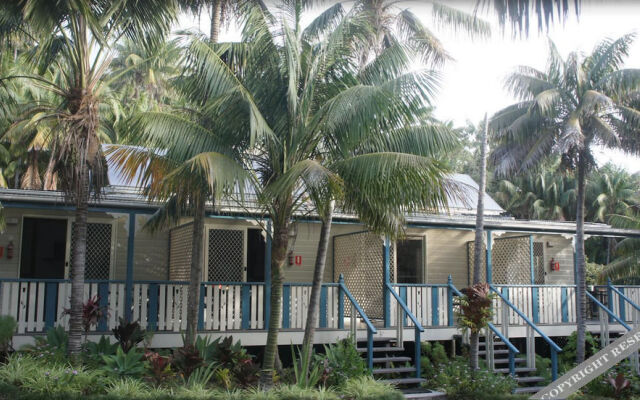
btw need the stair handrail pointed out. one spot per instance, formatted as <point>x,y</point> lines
<point>607,310</point>
<point>555,349</point>
<point>371,330</point>
<point>418,328</point>
<point>622,295</point>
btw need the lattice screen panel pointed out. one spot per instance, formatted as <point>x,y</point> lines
<point>226,255</point>
<point>538,262</point>
<point>359,257</point>
<point>511,262</point>
<point>180,252</point>
<point>98,261</point>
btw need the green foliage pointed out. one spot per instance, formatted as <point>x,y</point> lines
<point>128,334</point>
<point>124,364</point>
<point>458,381</point>
<point>343,362</point>
<point>158,367</point>
<point>304,362</point>
<point>567,357</point>
<point>186,359</point>
<point>299,393</point>
<point>52,346</point>
<point>8,326</point>
<point>367,388</point>
<point>202,376</point>
<point>231,356</point>
<point>433,356</point>
<point>475,310</point>
<point>103,347</point>
<point>543,367</point>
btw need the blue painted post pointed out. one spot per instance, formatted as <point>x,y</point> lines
<point>533,272</point>
<point>512,363</point>
<point>152,316</point>
<point>489,258</point>
<point>129,275</point>
<point>535,305</point>
<point>267,276</point>
<point>417,352</point>
<point>449,301</point>
<point>575,266</point>
<point>51,299</point>
<point>621,303</point>
<point>323,307</point>
<point>201,308</point>
<point>554,364</point>
<point>103,294</point>
<point>564,306</point>
<point>435,314</point>
<point>369,349</point>
<point>610,301</point>
<point>246,306</point>
<point>286,304</point>
<point>340,302</point>
<point>403,296</point>
<point>386,280</point>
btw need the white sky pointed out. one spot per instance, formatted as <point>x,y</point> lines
<point>473,83</point>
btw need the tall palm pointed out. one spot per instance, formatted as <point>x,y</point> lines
<point>611,190</point>
<point>574,105</point>
<point>76,39</point>
<point>220,12</point>
<point>625,268</point>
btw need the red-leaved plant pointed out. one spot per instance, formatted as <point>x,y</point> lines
<point>619,383</point>
<point>159,366</point>
<point>92,313</point>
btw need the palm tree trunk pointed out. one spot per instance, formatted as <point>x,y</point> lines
<point>581,288</point>
<point>278,257</point>
<point>316,287</point>
<point>478,259</point>
<point>216,19</point>
<point>195,277</point>
<point>78,262</point>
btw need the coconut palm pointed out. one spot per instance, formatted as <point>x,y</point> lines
<point>625,268</point>
<point>77,41</point>
<point>575,104</point>
<point>611,190</point>
<point>220,12</point>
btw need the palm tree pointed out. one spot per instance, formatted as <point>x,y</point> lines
<point>566,110</point>
<point>77,40</point>
<point>220,12</point>
<point>611,190</point>
<point>625,268</point>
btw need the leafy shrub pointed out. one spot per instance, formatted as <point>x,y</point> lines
<point>366,388</point>
<point>159,367</point>
<point>231,356</point>
<point>18,368</point>
<point>103,347</point>
<point>344,362</point>
<point>124,364</point>
<point>475,311</point>
<point>130,388</point>
<point>315,365</point>
<point>53,346</point>
<point>568,355</point>
<point>433,356</point>
<point>8,326</point>
<point>458,381</point>
<point>128,334</point>
<point>92,313</point>
<point>186,359</point>
<point>298,393</point>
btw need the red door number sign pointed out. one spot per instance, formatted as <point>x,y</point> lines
<point>297,260</point>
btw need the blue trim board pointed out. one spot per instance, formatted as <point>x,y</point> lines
<point>286,305</point>
<point>153,307</point>
<point>323,307</point>
<point>564,305</point>
<point>129,275</point>
<point>489,258</point>
<point>387,281</point>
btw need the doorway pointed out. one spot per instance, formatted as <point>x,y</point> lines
<point>43,249</point>
<point>410,260</point>
<point>256,247</point>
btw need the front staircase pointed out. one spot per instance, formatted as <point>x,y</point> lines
<point>525,376</point>
<point>390,364</point>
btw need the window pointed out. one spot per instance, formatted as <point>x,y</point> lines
<point>410,263</point>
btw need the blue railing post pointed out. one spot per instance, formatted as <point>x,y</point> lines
<point>103,295</point>
<point>533,272</point>
<point>153,307</point>
<point>512,363</point>
<point>417,352</point>
<point>435,307</point>
<point>131,239</point>
<point>386,254</point>
<point>369,349</point>
<point>489,257</point>
<point>610,301</point>
<point>403,296</point>
<point>201,308</point>
<point>267,276</point>
<point>554,364</point>
<point>535,307</point>
<point>323,307</point>
<point>340,302</point>
<point>564,307</point>
<point>246,306</point>
<point>51,299</point>
<point>623,313</point>
<point>286,304</point>
<point>449,301</point>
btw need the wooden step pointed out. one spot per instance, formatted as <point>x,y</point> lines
<point>529,379</point>
<point>517,370</point>
<point>482,352</point>
<point>404,381</point>
<point>377,360</point>
<point>397,370</point>
<point>381,349</point>
<point>528,389</point>
<point>506,360</point>
<point>379,339</point>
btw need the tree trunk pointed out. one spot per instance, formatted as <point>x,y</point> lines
<point>478,259</point>
<point>195,276</point>
<point>78,262</point>
<point>216,20</point>
<point>316,288</point>
<point>278,257</point>
<point>581,284</point>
